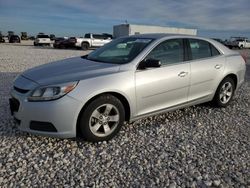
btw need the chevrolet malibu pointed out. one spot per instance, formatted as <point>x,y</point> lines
<point>127,79</point>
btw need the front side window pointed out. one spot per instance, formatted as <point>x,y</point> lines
<point>120,51</point>
<point>168,52</point>
<point>202,49</point>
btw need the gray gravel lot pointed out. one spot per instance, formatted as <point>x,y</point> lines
<point>198,146</point>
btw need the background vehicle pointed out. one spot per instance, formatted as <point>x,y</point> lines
<point>31,38</point>
<point>92,40</point>
<point>243,43</point>
<point>52,37</point>
<point>24,36</point>
<point>237,42</point>
<point>65,42</point>
<point>14,39</point>
<point>58,41</point>
<point>10,33</point>
<point>1,39</point>
<point>42,39</point>
<point>125,80</point>
<point>219,40</point>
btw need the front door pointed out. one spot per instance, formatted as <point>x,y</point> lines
<point>166,86</point>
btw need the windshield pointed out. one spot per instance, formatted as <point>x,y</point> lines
<point>120,51</point>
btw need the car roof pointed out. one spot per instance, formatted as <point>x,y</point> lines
<point>160,35</point>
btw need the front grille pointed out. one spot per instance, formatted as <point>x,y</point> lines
<point>20,90</point>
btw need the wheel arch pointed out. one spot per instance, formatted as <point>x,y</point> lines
<point>85,42</point>
<point>234,77</point>
<point>230,75</point>
<point>121,97</point>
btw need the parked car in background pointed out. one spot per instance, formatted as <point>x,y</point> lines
<point>65,42</point>
<point>243,43</point>
<point>24,36</point>
<point>237,42</point>
<point>52,37</point>
<point>58,41</point>
<point>219,40</point>
<point>42,40</point>
<point>31,38</point>
<point>2,39</point>
<point>91,40</point>
<point>125,80</point>
<point>232,43</point>
<point>10,33</point>
<point>14,39</point>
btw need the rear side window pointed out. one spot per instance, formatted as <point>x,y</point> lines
<point>214,51</point>
<point>98,36</point>
<point>202,49</point>
<point>168,52</point>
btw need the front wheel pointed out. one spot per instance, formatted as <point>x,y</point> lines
<point>85,46</point>
<point>102,118</point>
<point>224,92</point>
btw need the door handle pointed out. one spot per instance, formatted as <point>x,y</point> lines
<point>182,74</point>
<point>217,66</point>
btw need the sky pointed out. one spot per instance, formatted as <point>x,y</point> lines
<point>212,18</point>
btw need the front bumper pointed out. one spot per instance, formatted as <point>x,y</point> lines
<point>61,113</point>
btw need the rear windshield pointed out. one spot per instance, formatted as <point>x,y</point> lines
<point>42,36</point>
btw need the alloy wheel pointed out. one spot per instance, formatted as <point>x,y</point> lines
<point>226,92</point>
<point>104,120</point>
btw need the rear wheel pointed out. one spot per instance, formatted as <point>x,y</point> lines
<point>85,46</point>
<point>102,118</point>
<point>224,92</point>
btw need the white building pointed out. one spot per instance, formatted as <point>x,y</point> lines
<point>131,29</point>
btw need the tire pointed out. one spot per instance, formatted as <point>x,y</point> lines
<point>241,47</point>
<point>102,119</point>
<point>223,97</point>
<point>85,46</point>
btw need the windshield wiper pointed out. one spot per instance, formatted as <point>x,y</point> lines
<point>84,56</point>
<point>91,59</point>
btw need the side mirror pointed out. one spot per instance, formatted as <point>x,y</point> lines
<point>149,63</point>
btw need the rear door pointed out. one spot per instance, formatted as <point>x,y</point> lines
<point>165,86</point>
<point>207,65</point>
<point>98,40</point>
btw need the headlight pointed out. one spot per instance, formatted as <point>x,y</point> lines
<point>52,92</point>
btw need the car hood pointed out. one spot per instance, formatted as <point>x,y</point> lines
<point>68,70</point>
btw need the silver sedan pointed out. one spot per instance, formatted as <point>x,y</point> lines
<point>127,79</point>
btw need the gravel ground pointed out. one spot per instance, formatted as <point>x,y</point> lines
<point>197,146</point>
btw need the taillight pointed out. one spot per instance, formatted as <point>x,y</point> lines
<point>244,57</point>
